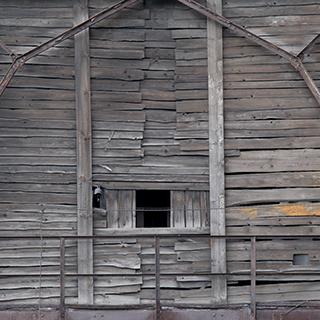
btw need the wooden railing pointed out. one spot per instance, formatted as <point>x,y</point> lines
<point>157,274</point>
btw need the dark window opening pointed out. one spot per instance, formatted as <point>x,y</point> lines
<point>98,198</point>
<point>301,260</point>
<point>152,208</point>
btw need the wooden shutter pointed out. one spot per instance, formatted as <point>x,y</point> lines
<point>189,209</point>
<point>121,208</point>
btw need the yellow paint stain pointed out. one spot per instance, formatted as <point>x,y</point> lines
<point>250,212</point>
<point>298,210</point>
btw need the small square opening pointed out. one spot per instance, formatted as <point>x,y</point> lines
<point>153,208</point>
<point>301,260</point>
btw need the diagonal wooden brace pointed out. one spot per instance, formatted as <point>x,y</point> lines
<point>21,60</point>
<point>295,61</point>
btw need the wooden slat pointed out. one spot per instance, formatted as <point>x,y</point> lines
<point>216,153</point>
<point>84,154</point>
<point>178,201</point>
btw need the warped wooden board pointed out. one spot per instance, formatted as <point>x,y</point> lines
<point>37,94</point>
<point>274,230</point>
<point>298,209</point>
<point>269,103</point>
<point>152,178</point>
<point>275,180</point>
<point>276,10</point>
<point>36,160</point>
<point>44,71</point>
<point>24,294</point>
<point>265,3</point>
<point>116,299</point>
<point>28,187</point>
<point>249,196</point>
<point>280,114</point>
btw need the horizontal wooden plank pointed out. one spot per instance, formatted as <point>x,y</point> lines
<point>252,196</point>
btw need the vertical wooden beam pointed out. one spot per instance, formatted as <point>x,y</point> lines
<point>253,263</point>
<point>62,279</point>
<point>84,154</point>
<point>157,277</point>
<point>216,153</point>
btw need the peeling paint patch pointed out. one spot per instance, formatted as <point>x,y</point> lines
<point>250,212</point>
<point>298,210</point>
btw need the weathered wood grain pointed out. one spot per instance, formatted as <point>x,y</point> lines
<point>84,154</point>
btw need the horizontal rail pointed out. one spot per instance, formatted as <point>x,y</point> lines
<point>307,271</point>
<point>261,273</point>
<point>162,235</point>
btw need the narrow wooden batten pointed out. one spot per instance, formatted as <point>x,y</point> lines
<point>84,154</point>
<point>216,153</point>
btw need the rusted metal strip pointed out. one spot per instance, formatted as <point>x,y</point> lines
<point>169,274</point>
<point>21,60</point>
<point>157,277</point>
<point>309,47</point>
<point>62,279</point>
<point>253,305</point>
<point>295,61</point>
<point>165,235</point>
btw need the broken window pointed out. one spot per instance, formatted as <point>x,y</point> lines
<point>153,208</point>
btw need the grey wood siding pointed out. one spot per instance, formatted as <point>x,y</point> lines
<point>37,147</point>
<point>121,206</point>
<point>150,131</point>
<point>189,209</point>
<point>271,131</point>
<point>271,147</point>
<point>149,98</point>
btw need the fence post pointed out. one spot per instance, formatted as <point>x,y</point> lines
<point>157,277</point>
<point>253,259</point>
<point>62,279</point>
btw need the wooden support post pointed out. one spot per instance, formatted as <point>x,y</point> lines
<point>84,154</point>
<point>62,279</point>
<point>216,154</point>
<point>253,306</point>
<point>157,277</point>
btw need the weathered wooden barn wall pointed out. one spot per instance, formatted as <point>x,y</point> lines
<point>149,101</point>
<point>271,127</point>
<point>150,130</point>
<point>271,119</point>
<point>271,149</point>
<point>37,147</point>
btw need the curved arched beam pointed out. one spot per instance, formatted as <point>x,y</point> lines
<point>295,61</point>
<point>21,60</point>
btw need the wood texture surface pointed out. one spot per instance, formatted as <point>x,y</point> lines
<point>84,154</point>
<point>150,129</point>
<point>216,154</point>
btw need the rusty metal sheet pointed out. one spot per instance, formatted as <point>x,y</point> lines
<point>286,314</point>
<point>221,314</point>
<point>29,315</point>
<point>110,314</point>
<point>166,314</point>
